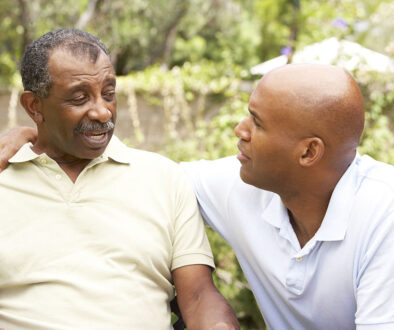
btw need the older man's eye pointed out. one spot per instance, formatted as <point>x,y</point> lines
<point>109,96</point>
<point>79,99</point>
<point>255,122</point>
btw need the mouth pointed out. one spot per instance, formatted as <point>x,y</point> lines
<point>242,157</point>
<point>96,139</point>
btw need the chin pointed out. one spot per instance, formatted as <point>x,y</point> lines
<point>253,180</point>
<point>88,148</point>
<point>84,153</point>
<point>245,177</point>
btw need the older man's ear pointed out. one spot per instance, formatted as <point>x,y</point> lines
<point>32,104</point>
<point>12,141</point>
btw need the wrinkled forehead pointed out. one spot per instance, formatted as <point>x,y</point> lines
<point>79,50</point>
<point>69,74</point>
<point>82,49</point>
<point>63,62</point>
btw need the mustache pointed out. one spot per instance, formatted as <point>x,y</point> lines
<point>95,126</point>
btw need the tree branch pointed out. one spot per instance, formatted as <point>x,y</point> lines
<point>87,15</point>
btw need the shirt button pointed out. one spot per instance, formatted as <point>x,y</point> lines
<point>43,161</point>
<point>58,177</point>
<point>299,259</point>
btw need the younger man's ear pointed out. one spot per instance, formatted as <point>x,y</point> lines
<point>312,150</point>
<point>32,104</point>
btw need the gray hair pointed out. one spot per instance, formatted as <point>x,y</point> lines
<point>34,66</point>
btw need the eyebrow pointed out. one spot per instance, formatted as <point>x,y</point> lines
<point>254,114</point>
<point>78,87</point>
<point>108,81</point>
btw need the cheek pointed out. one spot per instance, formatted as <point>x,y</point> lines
<point>113,111</point>
<point>260,149</point>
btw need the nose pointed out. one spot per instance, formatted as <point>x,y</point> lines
<point>100,111</point>
<point>242,130</point>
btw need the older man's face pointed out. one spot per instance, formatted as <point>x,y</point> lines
<point>79,113</point>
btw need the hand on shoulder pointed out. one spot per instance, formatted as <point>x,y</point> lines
<point>12,141</point>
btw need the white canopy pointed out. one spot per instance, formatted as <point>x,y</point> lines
<point>344,53</point>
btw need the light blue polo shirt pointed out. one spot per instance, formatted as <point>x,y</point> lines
<point>343,278</point>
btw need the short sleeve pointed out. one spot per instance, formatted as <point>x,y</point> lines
<point>190,243</point>
<point>212,183</point>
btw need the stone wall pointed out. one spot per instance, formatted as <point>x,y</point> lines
<point>151,117</point>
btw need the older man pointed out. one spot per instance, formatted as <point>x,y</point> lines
<point>311,221</point>
<point>93,235</point>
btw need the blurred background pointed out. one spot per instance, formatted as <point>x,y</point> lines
<point>186,68</point>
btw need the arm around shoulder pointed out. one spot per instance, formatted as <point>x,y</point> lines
<point>12,141</point>
<point>201,304</point>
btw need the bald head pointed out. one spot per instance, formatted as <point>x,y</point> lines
<point>321,100</point>
<point>303,128</point>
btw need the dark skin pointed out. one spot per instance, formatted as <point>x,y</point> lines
<point>7,150</point>
<point>301,135</point>
<point>83,93</point>
<point>198,300</point>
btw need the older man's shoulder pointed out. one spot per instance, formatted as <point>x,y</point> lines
<point>140,157</point>
<point>152,158</point>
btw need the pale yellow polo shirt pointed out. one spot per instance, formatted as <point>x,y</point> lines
<point>96,254</point>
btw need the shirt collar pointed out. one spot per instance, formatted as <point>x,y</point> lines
<point>274,212</point>
<point>336,219</point>
<point>24,154</point>
<point>335,222</point>
<point>115,150</point>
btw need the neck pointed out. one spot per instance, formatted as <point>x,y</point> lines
<point>307,207</point>
<point>73,169</point>
<point>308,202</point>
<point>72,166</point>
<point>306,216</point>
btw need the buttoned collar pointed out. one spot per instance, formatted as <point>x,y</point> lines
<point>115,150</point>
<point>335,222</point>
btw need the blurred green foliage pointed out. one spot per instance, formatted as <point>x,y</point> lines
<point>191,60</point>
<point>378,137</point>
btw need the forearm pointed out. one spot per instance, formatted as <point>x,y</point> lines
<point>208,309</point>
<point>21,133</point>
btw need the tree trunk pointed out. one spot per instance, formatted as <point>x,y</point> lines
<point>294,28</point>
<point>87,15</point>
<point>167,47</point>
<point>25,20</point>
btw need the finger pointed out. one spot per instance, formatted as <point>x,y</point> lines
<point>4,156</point>
<point>3,163</point>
